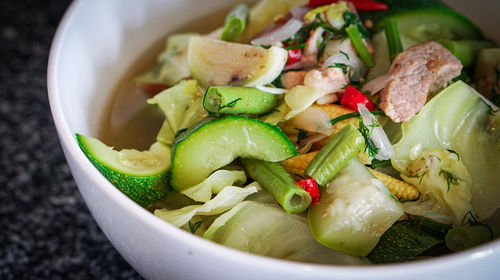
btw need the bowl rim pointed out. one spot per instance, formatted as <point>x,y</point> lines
<point>67,139</point>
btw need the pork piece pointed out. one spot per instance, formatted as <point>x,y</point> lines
<point>330,80</point>
<point>414,73</point>
<point>310,55</point>
<point>292,79</point>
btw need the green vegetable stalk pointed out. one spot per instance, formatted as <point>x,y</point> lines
<point>360,45</point>
<point>238,100</point>
<point>279,183</point>
<point>235,22</point>
<point>335,155</point>
<point>393,40</point>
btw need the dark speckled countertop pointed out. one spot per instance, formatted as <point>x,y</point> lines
<point>46,231</point>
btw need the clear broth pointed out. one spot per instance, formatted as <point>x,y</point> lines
<point>128,121</point>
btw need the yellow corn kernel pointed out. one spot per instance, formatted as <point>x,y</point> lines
<point>297,165</point>
<point>400,189</point>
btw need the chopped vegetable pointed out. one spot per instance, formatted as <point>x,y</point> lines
<point>219,63</point>
<point>402,242</point>
<point>310,186</point>
<point>360,45</point>
<point>267,230</point>
<point>214,184</point>
<point>235,22</point>
<point>141,175</point>
<point>465,50</point>
<point>352,97</point>
<point>171,65</point>
<point>354,211</point>
<point>238,100</point>
<point>458,119</point>
<point>393,39</point>
<point>465,237</point>
<point>215,143</point>
<point>382,148</point>
<point>225,200</point>
<point>294,54</point>
<point>276,180</point>
<point>400,189</point>
<point>300,98</point>
<point>335,155</point>
<point>353,115</point>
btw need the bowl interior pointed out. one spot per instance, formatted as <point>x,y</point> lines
<point>95,45</point>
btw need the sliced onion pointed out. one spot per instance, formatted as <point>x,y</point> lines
<point>377,84</point>
<point>353,62</point>
<point>313,119</point>
<point>305,144</point>
<point>272,90</point>
<point>280,34</point>
<point>329,98</point>
<point>377,135</point>
<point>299,12</point>
<point>296,65</point>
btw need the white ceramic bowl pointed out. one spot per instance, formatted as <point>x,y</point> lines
<point>95,44</point>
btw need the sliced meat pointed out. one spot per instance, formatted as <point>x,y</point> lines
<point>414,73</point>
<point>292,79</point>
<point>330,80</point>
<point>310,55</point>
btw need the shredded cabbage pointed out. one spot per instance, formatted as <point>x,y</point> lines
<point>225,200</point>
<point>181,106</point>
<point>300,98</point>
<point>265,229</point>
<point>458,120</point>
<point>172,62</point>
<point>214,184</point>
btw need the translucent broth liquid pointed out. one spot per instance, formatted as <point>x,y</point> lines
<point>128,121</point>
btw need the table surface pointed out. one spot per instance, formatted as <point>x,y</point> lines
<point>46,231</point>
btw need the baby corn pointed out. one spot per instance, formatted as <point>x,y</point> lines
<point>400,189</point>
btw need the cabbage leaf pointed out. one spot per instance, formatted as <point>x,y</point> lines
<point>225,200</point>
<point>267,230</point>
<point>458,120</point>
<point>171,64</point>
<point>214,184</point>
<point>354,211</point>
<point>182,108</point>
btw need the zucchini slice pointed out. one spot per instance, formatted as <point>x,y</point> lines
<point>215,143</point>
<point>141,175</point>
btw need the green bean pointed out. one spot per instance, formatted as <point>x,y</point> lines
<point>360,45</point>
<point>235,22</point>
<point>393,40</point>
<point>335,155</point>
<point>279,183</point>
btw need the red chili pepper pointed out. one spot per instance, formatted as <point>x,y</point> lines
<point>310,186</point>
<point>361,5</point>
<point>352,97</point>
<point>294,55</point>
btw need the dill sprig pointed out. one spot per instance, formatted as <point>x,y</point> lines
<point>450,179</point>
<point>194,226</point>
<point>370,147</point>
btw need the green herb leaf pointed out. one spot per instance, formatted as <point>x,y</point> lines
<point>302,134</point>
<point>194,226</point>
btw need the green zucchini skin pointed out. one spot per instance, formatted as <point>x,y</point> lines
<point>216,142</point>
<point>143,189</point>
<point>238,100</point>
